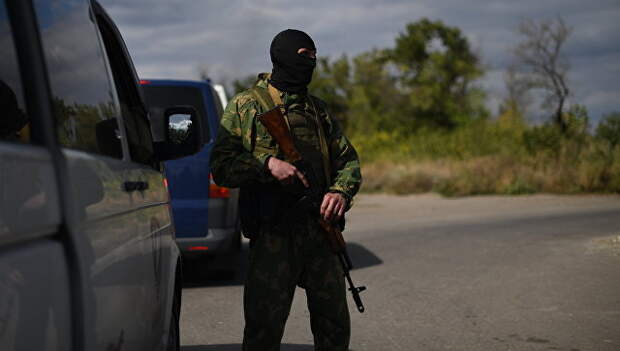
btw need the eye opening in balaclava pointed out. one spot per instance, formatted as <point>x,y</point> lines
<point>291,72</point>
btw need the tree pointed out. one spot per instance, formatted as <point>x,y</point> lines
<point>332,83</point>
<point>241,84</point>
<point>609,130</point>
<point>203,71</point>
<point>517,98</point>
<point>376,103</point>
<point>544,64</point>
<point>436,69</point>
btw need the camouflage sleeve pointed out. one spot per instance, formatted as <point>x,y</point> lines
<point>346,173</point>
<point>233,162</point>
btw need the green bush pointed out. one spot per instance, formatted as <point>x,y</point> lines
<point>609,130</point>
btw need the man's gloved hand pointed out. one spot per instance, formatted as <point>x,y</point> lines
<point>333,206</point>
<point>285,172</point>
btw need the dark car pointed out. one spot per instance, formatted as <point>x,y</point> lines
<point>88,259</point>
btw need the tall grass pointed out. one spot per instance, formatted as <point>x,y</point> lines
<point>500,156</point>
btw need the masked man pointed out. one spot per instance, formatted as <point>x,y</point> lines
<point>288,247</point>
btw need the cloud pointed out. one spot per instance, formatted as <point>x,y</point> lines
<point>173,38</point>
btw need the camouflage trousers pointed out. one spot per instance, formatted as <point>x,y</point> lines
<point>281,258</point>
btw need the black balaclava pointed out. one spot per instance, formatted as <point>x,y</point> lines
<point>291,72</point>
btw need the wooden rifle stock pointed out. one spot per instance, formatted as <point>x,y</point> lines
<point>274,121</point>
<point>276,126</point>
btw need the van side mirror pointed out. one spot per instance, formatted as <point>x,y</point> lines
<point>183,135</point>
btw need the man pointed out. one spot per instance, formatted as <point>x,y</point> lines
<point>288,248</point>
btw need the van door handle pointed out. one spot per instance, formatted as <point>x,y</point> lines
<point>133,186</point>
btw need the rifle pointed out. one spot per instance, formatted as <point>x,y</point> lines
<point>274,122</point>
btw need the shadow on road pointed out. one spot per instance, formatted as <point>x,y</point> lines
<point>361,257</point>
<point>231,271</point>
<point>237,347</point>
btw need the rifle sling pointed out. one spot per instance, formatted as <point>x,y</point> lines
<point>323,142</point>
<point>277,100</point>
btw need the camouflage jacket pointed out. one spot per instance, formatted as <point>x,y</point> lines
<point>243,145</point>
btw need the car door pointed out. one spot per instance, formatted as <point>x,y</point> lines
<point>35,308</point>
<point>150,200</point>
<point>90,128</point>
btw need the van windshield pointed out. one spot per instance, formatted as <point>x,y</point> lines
<point>158,98</point>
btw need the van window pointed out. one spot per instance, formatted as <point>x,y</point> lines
<point>158,98</point>
<point>14,121</point>
<point>84,100</point>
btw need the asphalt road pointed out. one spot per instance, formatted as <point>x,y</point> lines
<point>484,273</point>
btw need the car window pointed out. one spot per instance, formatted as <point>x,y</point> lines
<point>84,100</point>
<point>137,127</point>
<point>14,121</point>
<point>159,97</point>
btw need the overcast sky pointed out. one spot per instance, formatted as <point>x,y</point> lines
<point>175,38</point>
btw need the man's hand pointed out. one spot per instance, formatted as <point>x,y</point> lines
<point>333,206</point>
<point>285,172</point>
